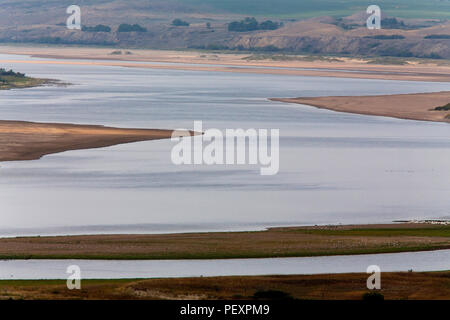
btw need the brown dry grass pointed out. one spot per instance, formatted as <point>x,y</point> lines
<point>404,286</point>
<point>276,242</point>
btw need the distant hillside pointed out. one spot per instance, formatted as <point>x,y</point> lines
<point>337,27</point>
<point>424,9</point>
<point>425,39</point>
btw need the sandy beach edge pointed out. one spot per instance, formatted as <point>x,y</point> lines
<point>357,68</point>
<point>415,106</point>
<point>22,140</point>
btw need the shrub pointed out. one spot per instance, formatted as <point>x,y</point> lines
<point>269,25</point>
<point>97,28</point>
<point>386,37</point>
<point>392,23</point>
<point>251,24</point>
<point>437,36</point>
<point>443,108</point>
<point>180,23</point>
<point>131,28</point>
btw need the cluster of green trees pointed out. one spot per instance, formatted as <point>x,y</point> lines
<point>3,72</point>
<point>392,23</point>
<point>251,24</point>
<point>124,27</point>
<point>97,28</point>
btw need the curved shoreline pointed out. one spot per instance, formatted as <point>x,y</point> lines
<point>414,106</point>
<point>225,62</point>
<point>21,140</point>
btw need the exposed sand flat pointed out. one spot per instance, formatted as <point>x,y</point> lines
<point>28,140</point>
<point>344,68</point>
<point>405,106</point>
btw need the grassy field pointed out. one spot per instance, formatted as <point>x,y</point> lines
<point>436,9</point>
<point>276,242</point>
<point>405,285</point>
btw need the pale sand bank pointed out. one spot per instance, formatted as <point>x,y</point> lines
<point>404,106</point>
<point>345,67</point>
<point>28,140</point>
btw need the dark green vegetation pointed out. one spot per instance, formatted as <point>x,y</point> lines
<point>124,27</point>
<point>11,80</point>
<point>251,24</point>
<point>392,23</point>
<point>443,108</point>
<point>395,286</point>
<point>386,23</point>
<point>180,23</point>
<point>386,37</point>
<point>11,73</point>
<point>432,9</point>
<point>438,36</point>
<point>276,242</point>
<point>97,28</point>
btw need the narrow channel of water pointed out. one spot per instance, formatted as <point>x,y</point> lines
<point>114,269</point>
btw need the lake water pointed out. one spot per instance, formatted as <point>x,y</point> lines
<point>115,269</point>
<point>334,167</point>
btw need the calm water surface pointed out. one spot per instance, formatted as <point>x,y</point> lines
<point>110,269</point>
<point>334,167</point>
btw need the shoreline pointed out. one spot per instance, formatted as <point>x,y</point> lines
<point>357,68</point>
<point>31,83</point>
<point>413,106</point>
<point>272,243</point>
<point>22,140</point>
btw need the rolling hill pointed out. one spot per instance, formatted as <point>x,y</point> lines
<point>308,26</point>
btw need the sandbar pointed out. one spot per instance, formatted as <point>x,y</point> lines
<point>419,106</point>
<point>20,140</point>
